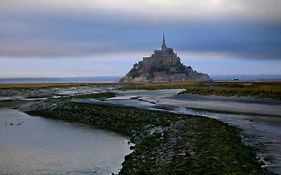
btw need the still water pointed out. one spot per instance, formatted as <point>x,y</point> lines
<point>34,145</point>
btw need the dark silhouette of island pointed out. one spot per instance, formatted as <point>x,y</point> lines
<point>162,66</point>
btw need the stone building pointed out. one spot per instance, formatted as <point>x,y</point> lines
<point>162,66</point>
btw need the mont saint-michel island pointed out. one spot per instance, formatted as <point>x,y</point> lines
<point>162,66</point>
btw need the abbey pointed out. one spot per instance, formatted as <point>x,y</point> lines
<point>162,66</point>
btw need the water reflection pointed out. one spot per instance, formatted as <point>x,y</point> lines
<point>34,145</point>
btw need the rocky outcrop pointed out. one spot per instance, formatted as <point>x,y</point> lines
<point>163,66</point>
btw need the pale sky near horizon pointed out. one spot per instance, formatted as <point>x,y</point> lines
<point>51,38</point>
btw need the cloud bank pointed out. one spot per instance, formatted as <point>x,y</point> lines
<point>49,28</point>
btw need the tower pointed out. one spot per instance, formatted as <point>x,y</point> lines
<point>163,43</point>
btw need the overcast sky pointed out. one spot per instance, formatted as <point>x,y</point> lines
<point>51,38</point>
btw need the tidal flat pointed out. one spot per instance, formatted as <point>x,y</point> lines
<point>168,139</point>
<point>165,143</point>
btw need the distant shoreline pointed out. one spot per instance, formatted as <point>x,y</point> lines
<point>258,77</point>
<point>114,79</point>
<point>109,79</point>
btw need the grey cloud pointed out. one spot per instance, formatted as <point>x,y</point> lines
<point>65,34</point>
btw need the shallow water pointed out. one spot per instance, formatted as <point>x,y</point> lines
<point>34,145</point>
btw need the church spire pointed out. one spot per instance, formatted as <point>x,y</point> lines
<point>163,43</point>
